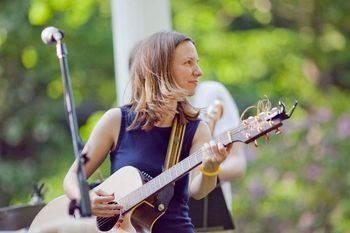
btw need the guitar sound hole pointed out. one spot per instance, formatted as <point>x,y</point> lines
<point>105,224</point>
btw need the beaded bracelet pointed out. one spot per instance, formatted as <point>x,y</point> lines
<point>206,173</point>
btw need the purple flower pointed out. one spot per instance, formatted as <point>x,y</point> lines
<point>343,126</point>
<point>313,172</point>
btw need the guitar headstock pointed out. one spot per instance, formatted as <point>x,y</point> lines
<point>260,125</point>
<point>215,111</point>
<point>213,114</point>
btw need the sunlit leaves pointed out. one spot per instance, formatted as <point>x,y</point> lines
<point>55,88</point>
<point>340,216</point>
<point>232,8</point>
<point>62,5</point>
<point>90,124</point>
<point>13,131</point>
<point>29,57</point>
<point>76,12</point>
<point>332,40</point>
<point>8,174</point>
<point>263,17</point>
<point>42,130</point>
<point>3,35</point>
<point>39,12</point>
<point>80,14</point>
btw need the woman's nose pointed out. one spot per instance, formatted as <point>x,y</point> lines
<point>197,71</point>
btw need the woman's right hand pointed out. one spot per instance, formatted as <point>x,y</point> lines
<point>103,204</point>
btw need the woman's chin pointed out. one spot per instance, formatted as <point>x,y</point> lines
<point>191,93</point>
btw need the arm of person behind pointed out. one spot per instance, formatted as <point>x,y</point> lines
<point>235,165</point>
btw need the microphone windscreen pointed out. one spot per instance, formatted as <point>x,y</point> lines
<point>49,35</point>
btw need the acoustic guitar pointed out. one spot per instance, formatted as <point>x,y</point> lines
<point>140,210</point>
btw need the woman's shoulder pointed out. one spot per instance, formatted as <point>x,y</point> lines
<point>113,112</point>
<point>112,115</point>
<point>118,111</point>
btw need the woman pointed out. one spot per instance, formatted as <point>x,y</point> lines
<point>164,72</point>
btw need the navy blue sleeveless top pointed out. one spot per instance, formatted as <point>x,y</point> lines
<point>146,151</point>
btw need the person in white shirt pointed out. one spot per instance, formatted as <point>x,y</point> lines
<point>210,97</point>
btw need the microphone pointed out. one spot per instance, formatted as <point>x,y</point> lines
<point>51,35</point>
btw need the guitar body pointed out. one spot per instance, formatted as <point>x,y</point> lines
<point>54,210</point>
<point>127,179</point>
<point>142,217</point>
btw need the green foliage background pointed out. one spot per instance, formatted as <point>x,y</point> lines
<point>287,50</point>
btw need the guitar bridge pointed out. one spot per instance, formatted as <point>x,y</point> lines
<point>120,220</point>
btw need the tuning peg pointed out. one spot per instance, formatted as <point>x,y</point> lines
<point>278,131</point>
<point>255,143</point>
<point>267,136</point>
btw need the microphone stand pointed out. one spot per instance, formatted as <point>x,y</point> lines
<point>85,206</point>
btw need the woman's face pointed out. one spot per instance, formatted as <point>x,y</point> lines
<point>185,68</point>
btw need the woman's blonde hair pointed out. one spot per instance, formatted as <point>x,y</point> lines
<point>153,86</point>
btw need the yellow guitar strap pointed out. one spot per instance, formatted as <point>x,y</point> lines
<point>175,144</point>
<point>172,157</point>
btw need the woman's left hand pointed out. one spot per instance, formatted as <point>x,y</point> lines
<point>213,155</point>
